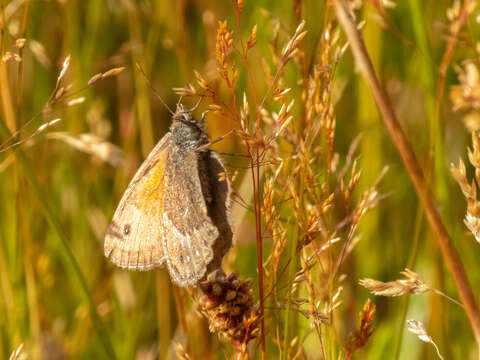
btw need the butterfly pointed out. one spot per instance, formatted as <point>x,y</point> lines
<point>176,210</point>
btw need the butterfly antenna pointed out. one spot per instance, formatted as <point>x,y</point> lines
<point>179,102</point>
<point>152,88</point>
<point>204,116</point>
<point>196,105</point>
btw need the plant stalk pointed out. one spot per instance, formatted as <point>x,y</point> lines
<point>404,148</point>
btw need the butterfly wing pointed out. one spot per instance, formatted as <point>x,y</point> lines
<point>133,239</point>
<point>219,209</point>
<point>189,233</point>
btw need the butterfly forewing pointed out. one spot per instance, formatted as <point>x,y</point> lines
<point>133,239</point>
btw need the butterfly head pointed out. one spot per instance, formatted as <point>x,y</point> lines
<point>186,130</point>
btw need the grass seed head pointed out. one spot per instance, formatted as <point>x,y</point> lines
<point>360,337</point>
<point>410,285</point>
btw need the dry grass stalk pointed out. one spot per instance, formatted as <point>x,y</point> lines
<point>106,74</point>
<point>293,182</point>
<point>417,328</point>
<point>458,15</point>
<point>223,46</point>
<point>469,190</point>
<point>449,253</point>
<point>308,209</point>
<point>412,284</point>
<point>291,48</point>
<point>39,130</point>
<point>300,160</point>
<point>63,71</point>
<point>361,336</point>
<point>62,94</point>
<point>76,101</point>
<point>295,178</point>
<point>17,354</point>
<point>466,96</point>
<point>255,140</point>
<point>181,352</point>
<point>369,200</point>
<point>93,145</point>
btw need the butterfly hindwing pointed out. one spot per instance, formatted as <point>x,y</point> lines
<point>133,239</point>
<point>219,209</point>
<point>188,232</point>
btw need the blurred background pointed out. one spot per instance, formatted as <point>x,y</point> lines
<point>59,194</point>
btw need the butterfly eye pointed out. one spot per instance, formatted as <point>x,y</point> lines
<point>189,118</point>
<point>184,118</point>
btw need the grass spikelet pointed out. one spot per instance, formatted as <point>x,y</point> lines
<point>63,71</point>
<point>361,336</point>
<point>412,284</point>
<point>417,328</point>
<point>113,72</point>
<point>223,46</point>
<point>39,130</point>
<point>469,190</point>
<point>17,354</point>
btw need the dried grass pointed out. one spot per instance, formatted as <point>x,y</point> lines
<point>282,96</point>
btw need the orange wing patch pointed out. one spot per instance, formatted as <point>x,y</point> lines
<point>153,187</point>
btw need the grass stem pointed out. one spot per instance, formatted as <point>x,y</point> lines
<point>449,253</point>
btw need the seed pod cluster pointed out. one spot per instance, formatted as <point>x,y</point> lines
<point>228,304</point>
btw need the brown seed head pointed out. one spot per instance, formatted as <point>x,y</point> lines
<point>228,305</point>
<point>362,335</point>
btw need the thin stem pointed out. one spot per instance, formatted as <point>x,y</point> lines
<point>6,130</point>
<point>433,156</point>
<point>70,259</point>
<point>404,148</point>
<point>437,350</point>
<point>255,169</point>
<point>257,205</point>
<point>291,273</point>
<point>410,265</point>
<point>6,98</point>
<point>438,292</point>
<point>20,64</point>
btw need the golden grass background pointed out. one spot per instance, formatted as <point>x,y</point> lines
<point>62,299</point>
